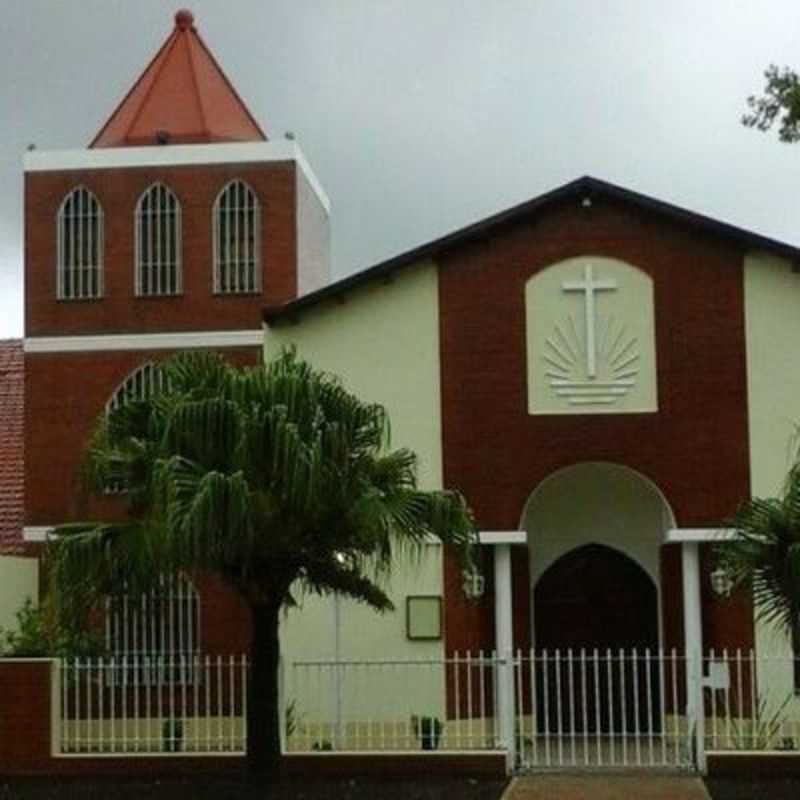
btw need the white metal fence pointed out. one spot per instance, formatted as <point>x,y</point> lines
<point>573,709</point>
<point>752,701</point>
<point>601,708</point>
<point>153,705</point>
<point>438,704</point>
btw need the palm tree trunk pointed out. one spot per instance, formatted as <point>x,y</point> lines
<point>263,712</point>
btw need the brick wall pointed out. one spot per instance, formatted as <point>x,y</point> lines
<point>118,191</point>
<point>695,448</point>
<point>64,394</point>
<point>25,714</point>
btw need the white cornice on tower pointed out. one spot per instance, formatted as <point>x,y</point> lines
<point>178,155</point>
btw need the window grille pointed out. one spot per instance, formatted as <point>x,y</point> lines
<point>79,269</point>
<point>158,242</point>
<point>237,258</point>
<point>155,639</point>
<point>142,383</point>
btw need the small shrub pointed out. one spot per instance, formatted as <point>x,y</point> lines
<point>428,730</point>
<point>172,735</point>
<point>38,634</point>
<point>322,746</point>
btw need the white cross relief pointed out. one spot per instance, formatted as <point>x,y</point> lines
<point>589,286</point>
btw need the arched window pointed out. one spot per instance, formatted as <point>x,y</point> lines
<point>158,242</point>
<point>79,268</point>
<point>143,382</point>
<point>237,257</point>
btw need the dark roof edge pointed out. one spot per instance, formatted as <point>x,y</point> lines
<point>592,187</point>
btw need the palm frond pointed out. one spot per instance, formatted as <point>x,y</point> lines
<point>765,553</point>
<point>264,475</point>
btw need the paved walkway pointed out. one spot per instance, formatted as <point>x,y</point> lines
<point>606,787</point>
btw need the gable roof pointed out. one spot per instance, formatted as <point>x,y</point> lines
<point>585,187</point>
<point>11,445</point>
<point>183,96</point>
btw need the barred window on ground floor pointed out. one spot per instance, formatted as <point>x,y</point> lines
<point>155,639</point>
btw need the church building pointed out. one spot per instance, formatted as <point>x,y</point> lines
<point>605,377</point>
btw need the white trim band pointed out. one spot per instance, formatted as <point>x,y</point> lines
<point>699,535</point>
<point>175,155</point>
<point>36,533</point>
<point>503,537</point>
<point>143,341</point>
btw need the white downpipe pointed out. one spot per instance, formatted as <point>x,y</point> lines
<point>693,643</point>
<point>504,642</point>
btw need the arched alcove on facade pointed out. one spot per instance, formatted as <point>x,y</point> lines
<point>614,518</point>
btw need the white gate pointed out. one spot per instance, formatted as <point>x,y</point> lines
<point>594,709</point>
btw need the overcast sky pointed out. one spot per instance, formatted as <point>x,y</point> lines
<point>420,116</point>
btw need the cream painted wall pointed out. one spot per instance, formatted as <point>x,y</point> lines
<point>383,341</point>
<point>19,578</point>
<point>624,340</point>
<point>772,318</point>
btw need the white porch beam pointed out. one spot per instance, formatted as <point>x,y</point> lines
<point>699,535</point>
<point>503,537</point>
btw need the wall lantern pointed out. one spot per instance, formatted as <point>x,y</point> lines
<point>473,584</point>
<point>721,582</point>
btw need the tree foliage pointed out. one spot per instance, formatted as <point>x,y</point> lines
<point>39,633</point>
<point>271,478</point>
<point>765,554</point>
<point>779,103</point>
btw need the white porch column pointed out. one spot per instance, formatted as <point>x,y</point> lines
<point>504,634</point>
<point>504,645</point>
<point>690,539</point>
<point>503,606</point>
<point>693,645</point>
<point>692,610</point>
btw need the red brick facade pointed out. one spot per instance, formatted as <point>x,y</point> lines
<point>695,448</point>
<point>65,392</point>
<point>118,191</point>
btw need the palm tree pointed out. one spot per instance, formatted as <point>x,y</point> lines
<point>765,554</point>
<point>271,478</point>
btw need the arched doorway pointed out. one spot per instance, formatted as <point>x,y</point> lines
<point>599,503</point>
<point>595,531</point>
<point>595,596</point>
<point>596,614</point>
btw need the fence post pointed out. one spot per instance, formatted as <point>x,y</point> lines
<point>56,666</point>
<point>699,712</point>
<point>505,703</point>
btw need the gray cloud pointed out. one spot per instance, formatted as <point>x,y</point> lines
<point>422,116</point>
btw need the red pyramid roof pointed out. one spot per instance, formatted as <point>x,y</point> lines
<point>183,97</point>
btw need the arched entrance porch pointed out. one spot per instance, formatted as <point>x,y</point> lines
<point>594,533</point>
<point>613,519</point>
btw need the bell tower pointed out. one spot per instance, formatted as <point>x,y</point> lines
<point>170,231</point>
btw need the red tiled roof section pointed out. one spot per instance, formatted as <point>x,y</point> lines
<point>12,381</point>
<point>182,97</point>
